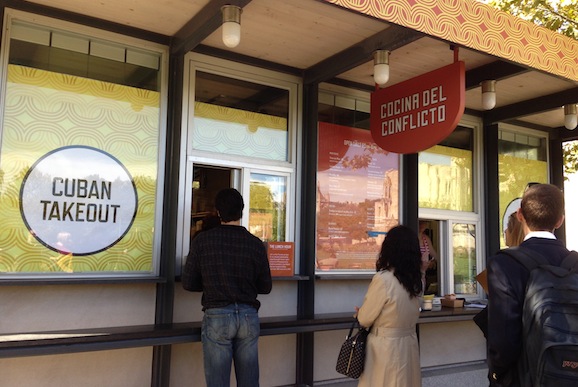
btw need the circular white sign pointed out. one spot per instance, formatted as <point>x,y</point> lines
<point>78,200</point>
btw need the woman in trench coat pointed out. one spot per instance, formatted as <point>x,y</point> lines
<point>391,309</point>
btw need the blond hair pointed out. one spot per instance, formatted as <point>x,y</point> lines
<point>515,230</point>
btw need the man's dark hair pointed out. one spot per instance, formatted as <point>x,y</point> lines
<point>400,252</point>
<point>229,203</point>
<point>542,207</point>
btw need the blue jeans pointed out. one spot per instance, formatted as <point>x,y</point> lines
<point>230,334</point>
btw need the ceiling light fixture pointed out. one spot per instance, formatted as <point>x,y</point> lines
<point>488,94</point>
<point>231,25</point>
<point>570,116</point>
<point>381,67</point>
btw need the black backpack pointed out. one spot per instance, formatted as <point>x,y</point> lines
<point>550,320</point>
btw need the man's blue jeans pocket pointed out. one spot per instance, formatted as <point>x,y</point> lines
<point>231,334</point>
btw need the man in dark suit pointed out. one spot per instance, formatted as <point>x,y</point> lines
<point>541,212</point>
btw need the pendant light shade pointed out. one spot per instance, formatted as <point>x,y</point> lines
<point>381,67</point>
<point>488,94</point>
<point>570,117</point>
<point>231,25</point>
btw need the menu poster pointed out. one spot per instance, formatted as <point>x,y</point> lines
<point>357,197</point>
<point>281,258</point>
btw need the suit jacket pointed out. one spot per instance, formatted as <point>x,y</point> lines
<point>507,286</point>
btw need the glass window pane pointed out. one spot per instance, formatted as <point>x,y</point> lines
<point>242,118</point>
<point>464,252</point>
<point>445,173</point>
<point>268,207</point>
<point>80,157</point>
<point>357,186</point>
<point>357,197</point>
<point>522,159</point>
<point>84,56</point>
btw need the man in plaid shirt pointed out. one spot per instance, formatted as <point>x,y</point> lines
<point>229,265</point>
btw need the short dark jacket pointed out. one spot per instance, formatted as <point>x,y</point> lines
<point>228,264</point>
<point>507,281</point>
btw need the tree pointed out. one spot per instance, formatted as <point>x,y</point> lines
<point>556,15</point>
<point>570,155</point>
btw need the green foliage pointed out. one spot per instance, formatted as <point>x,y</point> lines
<point>570,156</point>
<point>261,197</point>
<point>556,15</point>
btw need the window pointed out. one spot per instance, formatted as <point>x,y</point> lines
<point>522,159</point>
<point>268,207</point>
<point>242,118</point>
<point>81,153</point>
<point>357,187</point>
<point>448,181</point>
<point>446,173</point>
<point>241,134</point>
<point>464,258</point>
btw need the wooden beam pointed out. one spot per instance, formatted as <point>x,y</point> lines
<point>532,106</point>
<point>496,70</point>
<point>85,20</point>
<point>390,39</point>
<point>248,60</point>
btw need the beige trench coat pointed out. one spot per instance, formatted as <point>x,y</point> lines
<point>392,358</point>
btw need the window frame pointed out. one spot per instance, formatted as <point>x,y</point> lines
<point>450,217</point>
<point>516,129</point>
<point>12,16</point>
<point>190,157</point>
<point>343,97</point>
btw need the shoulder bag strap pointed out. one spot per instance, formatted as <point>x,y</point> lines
<point>528,258</point>
<point>571,261</point>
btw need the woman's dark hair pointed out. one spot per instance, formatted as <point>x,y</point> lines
<point>400,253</point>
<point>229,203</point>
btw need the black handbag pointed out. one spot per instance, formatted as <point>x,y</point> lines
<point>351,359</point>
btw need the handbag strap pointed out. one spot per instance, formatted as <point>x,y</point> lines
<point>357,325</point>
<point>352,328</point>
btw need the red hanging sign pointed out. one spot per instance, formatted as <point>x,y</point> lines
<point>419,113</point>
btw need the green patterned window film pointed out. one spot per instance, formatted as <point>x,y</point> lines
<point>79,158</point>
<point>242,118</point>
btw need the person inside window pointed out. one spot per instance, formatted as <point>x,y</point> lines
<point>429,258</point>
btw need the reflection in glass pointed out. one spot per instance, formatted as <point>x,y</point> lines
<point>521,159</point>
<point>357,198</point>
<point>357,186</point>
<point>268,207</point>
<point>445,173</point>
<point>241,118</point>
<point>464,252</point>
